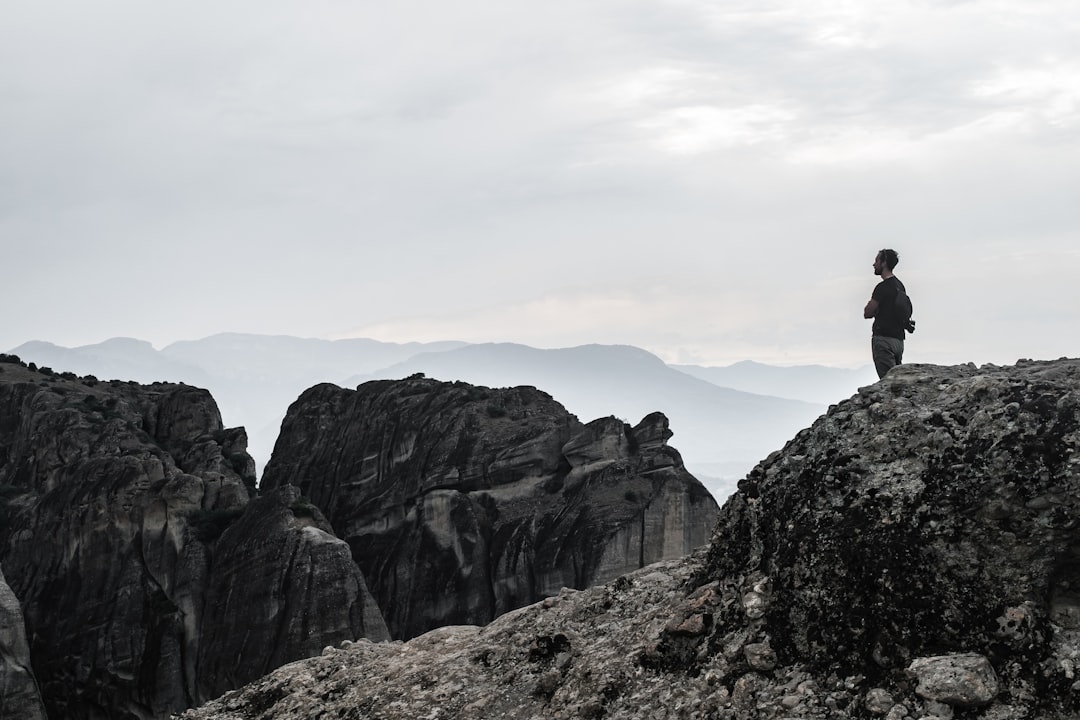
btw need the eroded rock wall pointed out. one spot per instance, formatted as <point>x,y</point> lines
<point>301,592</point>
<point>461,503</point>
<point>115,530</point>
<point>19,695</point>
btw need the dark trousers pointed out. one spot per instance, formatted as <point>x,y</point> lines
<point>888,352</point>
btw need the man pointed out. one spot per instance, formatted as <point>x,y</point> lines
<point>887,341</point>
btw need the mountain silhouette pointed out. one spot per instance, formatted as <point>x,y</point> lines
<point>809,383</point>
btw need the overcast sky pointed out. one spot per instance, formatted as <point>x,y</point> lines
<point>708,180</point>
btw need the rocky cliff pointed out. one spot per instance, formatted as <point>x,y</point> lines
<point>912,555</point>
<point>461,502</point>
<point>147,579</point>
<point>19,695</point>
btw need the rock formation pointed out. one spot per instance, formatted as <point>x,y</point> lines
<point>19,696</point>
<point>912,555</point>
<point>281,588</point>
<point>461,502</point>
<point>935,512</point>
<point>148,581</point>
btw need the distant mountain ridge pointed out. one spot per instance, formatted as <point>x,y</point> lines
<point>114,359</point>
<point>809,383</point>
<point>725,419</point>
<point>269,357</point>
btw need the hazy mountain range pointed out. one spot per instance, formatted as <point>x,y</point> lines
<point>811,383</point>
<point>725,419</point>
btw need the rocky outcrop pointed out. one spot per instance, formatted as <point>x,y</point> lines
<point>303,592</point>
<point>935,512</point>
<point>461,503</point>
<point>911,555</point>
<point>142,572</point>
<point>19,696</point>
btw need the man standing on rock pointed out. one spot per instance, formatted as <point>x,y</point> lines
<point>890,319</point>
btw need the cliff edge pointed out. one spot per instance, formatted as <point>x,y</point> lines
<point>911,555</point>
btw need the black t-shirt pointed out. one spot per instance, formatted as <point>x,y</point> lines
<point>886,321</point>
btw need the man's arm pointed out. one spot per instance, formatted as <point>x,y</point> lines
<point>871,309</point>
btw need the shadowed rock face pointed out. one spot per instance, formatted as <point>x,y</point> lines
<point>911,555</point>
<point>461,503</point>
<point>300,592</point>
<point>124,523</point>
<point>19,696</point>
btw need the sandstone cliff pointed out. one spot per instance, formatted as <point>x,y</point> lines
<point>461,502</point>
<point>912,555</point>
<point>147,581</point>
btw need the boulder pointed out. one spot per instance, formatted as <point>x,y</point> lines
<point>963,680</point>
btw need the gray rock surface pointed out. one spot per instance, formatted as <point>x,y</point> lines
<point>879,701</point>
<point>19,695</point>
<point>933,514</point>
<point>964,680</point>
<point>147,582</point>
<point>461,502</point>
<point>574,655</point>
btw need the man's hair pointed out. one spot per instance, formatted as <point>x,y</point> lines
<point>891,257</point>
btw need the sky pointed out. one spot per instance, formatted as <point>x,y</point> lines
<point>707,180</point>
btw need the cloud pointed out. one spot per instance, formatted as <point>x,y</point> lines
<point>1049,91</point>
<point>678,174</point>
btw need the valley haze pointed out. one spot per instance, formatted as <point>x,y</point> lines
<point>724,419</point>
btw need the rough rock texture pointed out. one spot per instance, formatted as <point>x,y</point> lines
<point>299,577</point>
<point>19,696</point>
<point>961,680</point>
<point>461,503</point>
<point>574,655</point>
<point>124,535</point>
<point>910,556</point>
<point>935,512</point>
